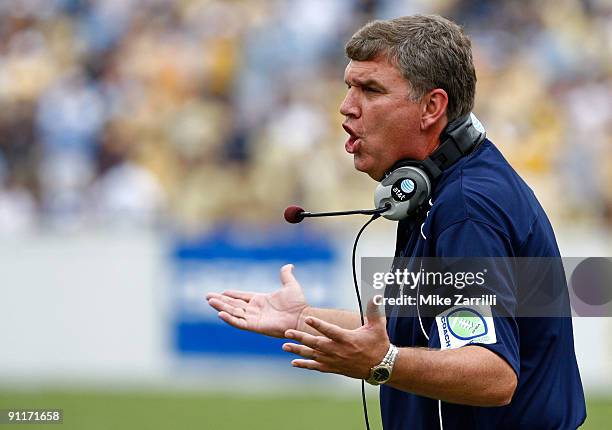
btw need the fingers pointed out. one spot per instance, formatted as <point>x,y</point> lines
<point>375,314</point>
<point>223,306</point>
<point>330,330</point>
<point>307,339</point>
<point>242,295</point>
<point>286,275</point>
<point>237,303</point>
<point>301,350</point>
<point>240,323</point>
<point>310,365</point>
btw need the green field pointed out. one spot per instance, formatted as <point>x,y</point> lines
<point>130,410</point>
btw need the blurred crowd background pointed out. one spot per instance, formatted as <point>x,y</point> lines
<point>191,113</point>
<point>141,139</point>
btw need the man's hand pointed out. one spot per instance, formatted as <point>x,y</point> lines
<point>346,352</point>
<point>271,314</point>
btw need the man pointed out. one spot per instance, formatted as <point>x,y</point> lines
<point>407,79</point>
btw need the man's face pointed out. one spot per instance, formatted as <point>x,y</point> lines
<point>383,124</point>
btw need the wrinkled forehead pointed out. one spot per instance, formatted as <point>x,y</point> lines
<point>378,69</point>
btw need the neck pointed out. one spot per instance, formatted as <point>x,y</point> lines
<point>432,139</point>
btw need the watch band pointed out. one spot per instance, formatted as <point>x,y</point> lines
<point>389,359</point>
<point>385,366</point>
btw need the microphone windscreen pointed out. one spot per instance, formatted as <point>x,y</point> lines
<point>293,214</point>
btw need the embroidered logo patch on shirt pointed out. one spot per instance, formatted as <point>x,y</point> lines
<point>464,325</point>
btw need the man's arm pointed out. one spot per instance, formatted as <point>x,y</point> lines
<point>471,375</point>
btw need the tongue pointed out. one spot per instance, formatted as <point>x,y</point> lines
<point>351,146</point>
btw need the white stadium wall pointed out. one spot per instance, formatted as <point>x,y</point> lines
<point>97,309</point>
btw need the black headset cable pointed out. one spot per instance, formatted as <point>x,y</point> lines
<point>363,396</point>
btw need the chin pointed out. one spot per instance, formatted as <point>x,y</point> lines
<point>377,176</point>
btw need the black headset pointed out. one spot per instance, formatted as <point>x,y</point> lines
<point>408,184</point>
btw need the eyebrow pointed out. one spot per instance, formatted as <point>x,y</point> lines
<point>366,83</point>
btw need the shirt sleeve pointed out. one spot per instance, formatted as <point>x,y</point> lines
<point>480,247</point>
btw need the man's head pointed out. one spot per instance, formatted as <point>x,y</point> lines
<point>407,78</point>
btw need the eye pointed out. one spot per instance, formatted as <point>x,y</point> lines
<point>370,90</point>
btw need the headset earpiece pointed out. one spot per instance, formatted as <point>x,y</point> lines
<point>406,188</point>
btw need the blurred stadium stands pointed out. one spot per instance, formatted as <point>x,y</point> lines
<point>157,112</point>
<point>189,116</point>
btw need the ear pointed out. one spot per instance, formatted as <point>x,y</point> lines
<point>434,108</point>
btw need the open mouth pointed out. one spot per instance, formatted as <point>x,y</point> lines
<point>352,143</point>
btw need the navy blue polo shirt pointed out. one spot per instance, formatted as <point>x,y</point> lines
<point>482,208</point>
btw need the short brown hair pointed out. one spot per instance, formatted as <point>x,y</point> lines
<point>430,51</point>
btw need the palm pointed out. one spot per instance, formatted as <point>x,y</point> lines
<point>274,313</point>
<point>270,314</point>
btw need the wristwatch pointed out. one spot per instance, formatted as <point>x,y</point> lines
<point>381,373</point>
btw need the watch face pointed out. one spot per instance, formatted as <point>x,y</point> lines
<point>381,374</point>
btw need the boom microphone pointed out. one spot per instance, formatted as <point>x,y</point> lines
<point>295,214</point>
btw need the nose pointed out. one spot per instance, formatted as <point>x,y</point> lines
<point>350,104</point>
